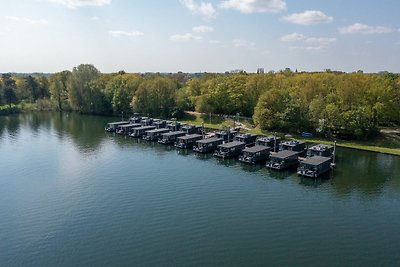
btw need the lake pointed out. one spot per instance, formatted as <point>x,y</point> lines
<point>72,194</point>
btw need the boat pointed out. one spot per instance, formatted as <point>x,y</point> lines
<point>146,121</point>
<point>140,131</point>
<point>314,166</point>
<point>173,126</point>
<point>192,129</point>
<point>229,150</point>
<point>135,118</point>
<point>255,154</point>
<point>171,137</point>
<point>320,150</point>
<point>126,129</point>
<point>113,126</point>
<point>188,141</point>
<point>207,145</point>
<point>154,135</point>
<point>227,136</point>
<point>293,145</point>
<point>283,159</point>
<point>272,142</point>
<point>160,124</point>
<point>247,138</point>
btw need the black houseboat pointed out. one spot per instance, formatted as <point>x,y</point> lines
<point>293,145</point>
<point>140,131</point>
<point>229,150</point>
<point>160,124</point>
<point>146,121</point>
<point>207,145</point>
<point>247,138</point>
<point>170,138</point>
<point>269,141</point>
<point>320,150</point>
<point>283,159</point>
<point>255,154</point>
<point>192,129</point>
<point>188,141</point>
<point>154,135</point>
<point>135,118</point>
<point>226,136</point>
<point>126,129</point>
<point>314,166</point>
<point>173,126</point>
<point>113,126</point>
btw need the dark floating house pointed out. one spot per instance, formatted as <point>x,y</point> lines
<point>283,159</point>
<point>140,131</point>
<point>207,145</point>
<point>293,145</point>
<point>192,129</point>
<point>255,154</point>
<point>154,135</point>
<point>173,126</point>
<point>314,166</point>
<point>188,141</point>
<point>247,138</point>
<point>135,118</point>
<point>126,129</point>
<point>229,150</point>
<point>272,142</point>
<point>171,137</point>
<point>320,150</point>
<point>227,136</point>
<point>146,121</point>
<point>160,124</point>
<point>113,126</point>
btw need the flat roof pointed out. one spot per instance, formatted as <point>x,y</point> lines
<point>118,122</point>
<point>245,135</point>
<point>293,143</point>
<point>209,140</point>
<point>190,136</point>
<point>232,144</point>
<point>284,154</point>
<point>255,149</point>
<point>321,147</point>
<point>268,138</point>
<point>130,125</point>
<point>316,160</point>
<point>173,133</point>
<point>158,130</point>
<point>145,128</point>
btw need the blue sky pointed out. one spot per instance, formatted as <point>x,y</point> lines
<point>199,36</point>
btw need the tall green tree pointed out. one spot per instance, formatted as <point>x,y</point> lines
<point>58,87</point>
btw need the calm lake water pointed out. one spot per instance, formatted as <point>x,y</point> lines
<point>71,194</point>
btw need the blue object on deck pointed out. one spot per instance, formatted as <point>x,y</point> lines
<point>306,134</point>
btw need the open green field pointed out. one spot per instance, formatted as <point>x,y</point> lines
<point>388,143</point>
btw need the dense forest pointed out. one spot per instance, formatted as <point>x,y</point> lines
<point>348,105</point>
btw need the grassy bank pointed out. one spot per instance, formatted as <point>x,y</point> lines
<point>384,143</point>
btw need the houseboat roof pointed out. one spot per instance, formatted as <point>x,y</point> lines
<point>173,133</point>
<point>189,136</point>
<point>158,130</point>
<point>284,154</point>
<point>268,138</point>
<point>255,149</point>
<point>321,147</point>
<point>118,122</point>
<point>232,144</point>
<point>245,135</point>
<point>316,160</point>
<point>144,128</point>
<point>209,140</point>
<point>293,143</point>
<point>130,125</point>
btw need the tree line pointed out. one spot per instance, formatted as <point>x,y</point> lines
<point>328,103</point>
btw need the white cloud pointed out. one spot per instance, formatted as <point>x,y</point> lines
<point>203,29</point>
<point>359,28</point>
<point>214,41</point>
<point>185,37</point>
<point>309,48</point>
<point>26,20</point>
<point>298,37</point>
<point>94,18</point>
<point>308,17</point>
<point>119,33</point>
<point>255,6</point>
<point>205,9</point>
<point>243,43</point>
<point>81,3</point>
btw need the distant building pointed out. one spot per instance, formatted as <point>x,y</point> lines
<point>260,71</point>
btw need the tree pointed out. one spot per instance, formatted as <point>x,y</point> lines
<point>9,88</point>
<point>58,86</point>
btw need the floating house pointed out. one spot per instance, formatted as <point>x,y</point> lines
<point>188,141</point>
<point>171,137</point>
<point>314,166</point>
<point>293,145</point>
<point>207,145</point>
<point>160,124</point>
<point>227,136</point>
<point>135,118</point>
<point>272,142</point>
<point>126,129</point>
<point>255,154</point>
<point>229,150</point>
<point>192,129</point>
<point>320,150</point>
<point>154,135</point>
<point>140,131</point>
<point>174,126</point>
<point>113,126</point>
<point>247,138</point>
<point>146,121</point>
<point>283,159</point>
